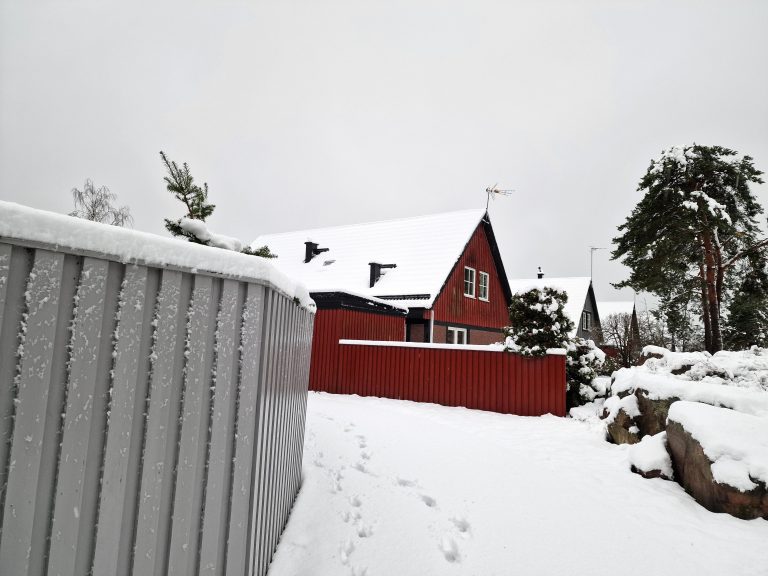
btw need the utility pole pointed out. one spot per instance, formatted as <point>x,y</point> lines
<point>592,250</point>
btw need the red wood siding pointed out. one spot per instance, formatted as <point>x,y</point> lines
<point>452,306</point>
<point>483,380</point>
<point>334,325</point>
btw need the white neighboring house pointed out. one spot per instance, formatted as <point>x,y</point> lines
<point>581,306</point>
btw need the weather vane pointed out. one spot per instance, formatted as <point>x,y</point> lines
<point>493,191</point>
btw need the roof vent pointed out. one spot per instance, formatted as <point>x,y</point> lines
<point>376,269</point>
<point>540,274</point>
<point>311,250</point>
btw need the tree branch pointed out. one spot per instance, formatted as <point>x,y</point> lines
<point>743,253</point>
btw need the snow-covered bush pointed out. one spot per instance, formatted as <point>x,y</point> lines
<point>537,322</point>
<point>583,364</point>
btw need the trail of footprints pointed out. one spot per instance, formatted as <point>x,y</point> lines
<point>353,516</point>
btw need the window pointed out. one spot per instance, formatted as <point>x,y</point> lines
<point>586,321</point>
<point>482,286</point>
<point>469,282</point>
<point>456,335</point>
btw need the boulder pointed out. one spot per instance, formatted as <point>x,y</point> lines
<point>653,413</point>
<point>623,429</point>
<point>693,470</point>
<point>650,459</point>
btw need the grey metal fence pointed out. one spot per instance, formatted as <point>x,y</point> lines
<point>151,417</point>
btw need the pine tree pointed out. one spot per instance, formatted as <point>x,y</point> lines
<point>747,321</point>
<point>180,183</point>
<point>696,220</point>
<point>537,322</point>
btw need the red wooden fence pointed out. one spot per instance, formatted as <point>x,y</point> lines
<point>334,325</point>
<point>470,376</point>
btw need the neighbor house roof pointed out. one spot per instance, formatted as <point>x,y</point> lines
<point>609,308</point>
<point>424,248</point>
<point>577,289</point>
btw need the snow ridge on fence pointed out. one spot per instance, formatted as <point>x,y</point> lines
<point>151,417</point>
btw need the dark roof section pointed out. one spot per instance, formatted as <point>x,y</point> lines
<point>342,300</point>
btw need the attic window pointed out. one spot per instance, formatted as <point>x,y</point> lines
<point>482,286</point>
<point>586,321</point>
<point>469,282</point>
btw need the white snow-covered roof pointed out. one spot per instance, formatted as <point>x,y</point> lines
<point>424,248</point>
<point>606,309</point>
<point>576,288</point>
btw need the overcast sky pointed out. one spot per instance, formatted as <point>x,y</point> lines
<point>326,112</point>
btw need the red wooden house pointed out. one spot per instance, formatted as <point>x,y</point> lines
<point>436,278</point>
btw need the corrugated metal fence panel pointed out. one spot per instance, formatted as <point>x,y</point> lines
<point>151,420</point>
<point>334,325</point>
<point>483,380</point>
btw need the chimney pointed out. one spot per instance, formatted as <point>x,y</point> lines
<point>540,274</point>
<point>311,250</point>
<point>376,269</point>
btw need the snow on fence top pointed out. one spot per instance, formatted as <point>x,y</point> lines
<point>25,225</point>
<point>475,347</point>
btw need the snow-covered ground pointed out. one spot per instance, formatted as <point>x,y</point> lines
<point>400,488</point>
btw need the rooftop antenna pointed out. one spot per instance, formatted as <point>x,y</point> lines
<point>493,191</point>
<point>592,250</point>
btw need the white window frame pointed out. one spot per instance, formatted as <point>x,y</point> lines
<point>586,321</point>
<point>480,285</point>
<point>455,337</point>
<point>472,283</point>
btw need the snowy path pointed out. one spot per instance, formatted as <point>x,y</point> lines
<point>399,488</point>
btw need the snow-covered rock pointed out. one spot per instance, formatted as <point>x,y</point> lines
<point>650,458</point>
<point>720,456</point>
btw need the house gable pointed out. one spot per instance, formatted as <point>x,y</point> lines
<point>454,308</point>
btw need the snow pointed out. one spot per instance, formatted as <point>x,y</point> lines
<point>29,225</point>
<point>577,289</point>
<point>651,454</point>
<point>408,489</point>
<point>736,443</point>
<point>745,368</point>
<point>199,229</point>
<point>499,347</point>
<point>424,248</point>
<point>663,386</point>
<point>628,404</point>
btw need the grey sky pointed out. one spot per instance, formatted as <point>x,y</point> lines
<point>303,114</point>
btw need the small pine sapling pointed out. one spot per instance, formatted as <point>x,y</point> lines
<point>192,225</point>
<point>180,183</point>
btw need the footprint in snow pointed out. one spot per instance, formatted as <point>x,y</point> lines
<point>428,500</point>
<point>360,467</point>
<point>404,482</point>
<point>462,525</point>
<point>365,455</point>
<point>361,441</point>
<point>450,549</point>
<point>360,571</point>
<point>355,501</point>
<point>364,531</point>
<point>346,549</point>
